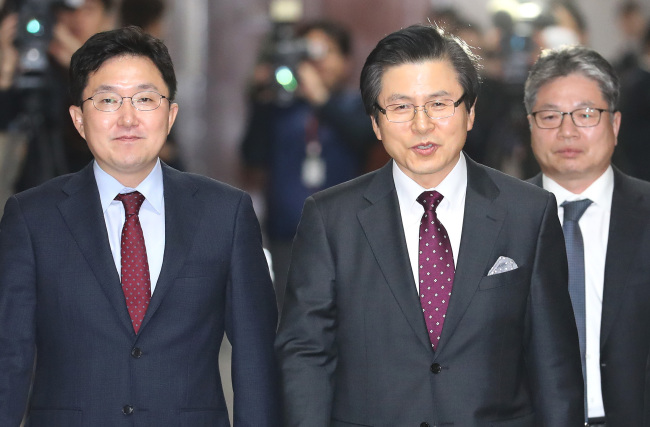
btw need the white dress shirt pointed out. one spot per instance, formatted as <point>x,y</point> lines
<point>152,216</point>
<point>594,226</point>
<point>450,212</point>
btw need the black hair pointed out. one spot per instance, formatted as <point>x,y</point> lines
<point>128,41</point>
<point>416,44</point>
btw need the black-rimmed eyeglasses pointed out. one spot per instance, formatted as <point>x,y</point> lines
<point>582,117</point>
<point>141,101</point>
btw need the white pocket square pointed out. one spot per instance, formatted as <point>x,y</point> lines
<point>502,265</point>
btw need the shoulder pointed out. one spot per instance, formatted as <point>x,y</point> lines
<point>631,191</point>
<point>507,186</point>
<point>51,191</point>
<point>351,191</point>
<point>199,185</point>
<point>630,184</point>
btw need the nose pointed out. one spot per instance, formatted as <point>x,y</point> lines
<point>421,122</point>
<point>128,113</point>
<point>567,129</point>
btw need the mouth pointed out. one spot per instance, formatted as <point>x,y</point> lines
<point>425,148</point>
<point>569,152</point>
<point>127,138</point>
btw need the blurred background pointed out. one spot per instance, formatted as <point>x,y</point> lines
<point>240,64</point>
<point>216,44</point>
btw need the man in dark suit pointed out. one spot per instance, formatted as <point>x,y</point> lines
<point>144,352</point>
<point>571,98</point>
<point>365,336</point>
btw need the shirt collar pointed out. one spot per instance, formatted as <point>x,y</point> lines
<point>151,187</point>
<point>599,192</point>
<point>452,187</point>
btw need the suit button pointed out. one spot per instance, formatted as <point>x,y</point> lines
<point>136,353</point>
<point>424,425</point>
<point>127,409</point>
<point>436,368</point>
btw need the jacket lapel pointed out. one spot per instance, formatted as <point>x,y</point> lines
<point>389,247</point>
<point>482,222</point>
<point>82,212</point>
<point>182,216</point>
<point>627,221</point>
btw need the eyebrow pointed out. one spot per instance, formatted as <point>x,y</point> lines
<point>110,88</point>
<point>551,106</point>
<point>402,97</point>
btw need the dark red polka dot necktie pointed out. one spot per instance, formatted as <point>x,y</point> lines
<point>436,266</point>
<point>136,283</point>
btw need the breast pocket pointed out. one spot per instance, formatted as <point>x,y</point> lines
<point>512,277</point>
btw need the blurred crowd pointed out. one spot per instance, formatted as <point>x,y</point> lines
<point>37,138</point>
<point>306,133</point>
<point>501,136</point>
<point>306,129</point>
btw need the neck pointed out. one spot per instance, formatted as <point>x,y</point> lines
<point>132,180</point>
<point>575,186</point>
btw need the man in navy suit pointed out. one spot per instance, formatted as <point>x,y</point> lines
<point>571,97</point>
<point>65,329</point>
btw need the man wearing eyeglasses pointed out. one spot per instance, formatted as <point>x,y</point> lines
<point>571,98</point>
<point>433,291</point>
<point>118,282</point>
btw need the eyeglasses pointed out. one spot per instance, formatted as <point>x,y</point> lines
<point>582,117</point>
<point>434,109</point>
<point>141,101</point>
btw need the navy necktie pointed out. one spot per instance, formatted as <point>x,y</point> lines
<point>576,258</point>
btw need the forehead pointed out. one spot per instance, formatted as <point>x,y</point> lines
<point>124,72</point>
<point>572,89</point>
<point>426,78</point>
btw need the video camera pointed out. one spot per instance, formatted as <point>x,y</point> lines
<point>284,50</point>
<point>36,20</point>
<point>287,52</point>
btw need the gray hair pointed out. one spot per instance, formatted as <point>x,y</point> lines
<point>566,60</point>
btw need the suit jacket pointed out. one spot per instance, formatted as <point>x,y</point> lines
<point>625,323</point>
<point>352,342</point>
<point>61,301</point>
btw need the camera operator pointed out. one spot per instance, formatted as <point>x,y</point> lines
<point>297,145</point>
<point>54,147</point>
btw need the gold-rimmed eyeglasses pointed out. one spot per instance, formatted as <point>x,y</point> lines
<point>142,101</point>
<point>434,109</point>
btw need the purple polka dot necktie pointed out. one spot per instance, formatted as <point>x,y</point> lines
<point>436,266</point>
<point>136,283</point>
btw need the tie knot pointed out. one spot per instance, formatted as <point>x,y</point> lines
<point>131,201</point>
<point>574,210</point>
<point>430,200</point>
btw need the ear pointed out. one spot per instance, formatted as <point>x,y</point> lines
<point>173,111</point>
<point>375,127</point>
<point>616,124</point>
<point>470,117</point>
<point>531,121</point>
<point>78,119</point>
